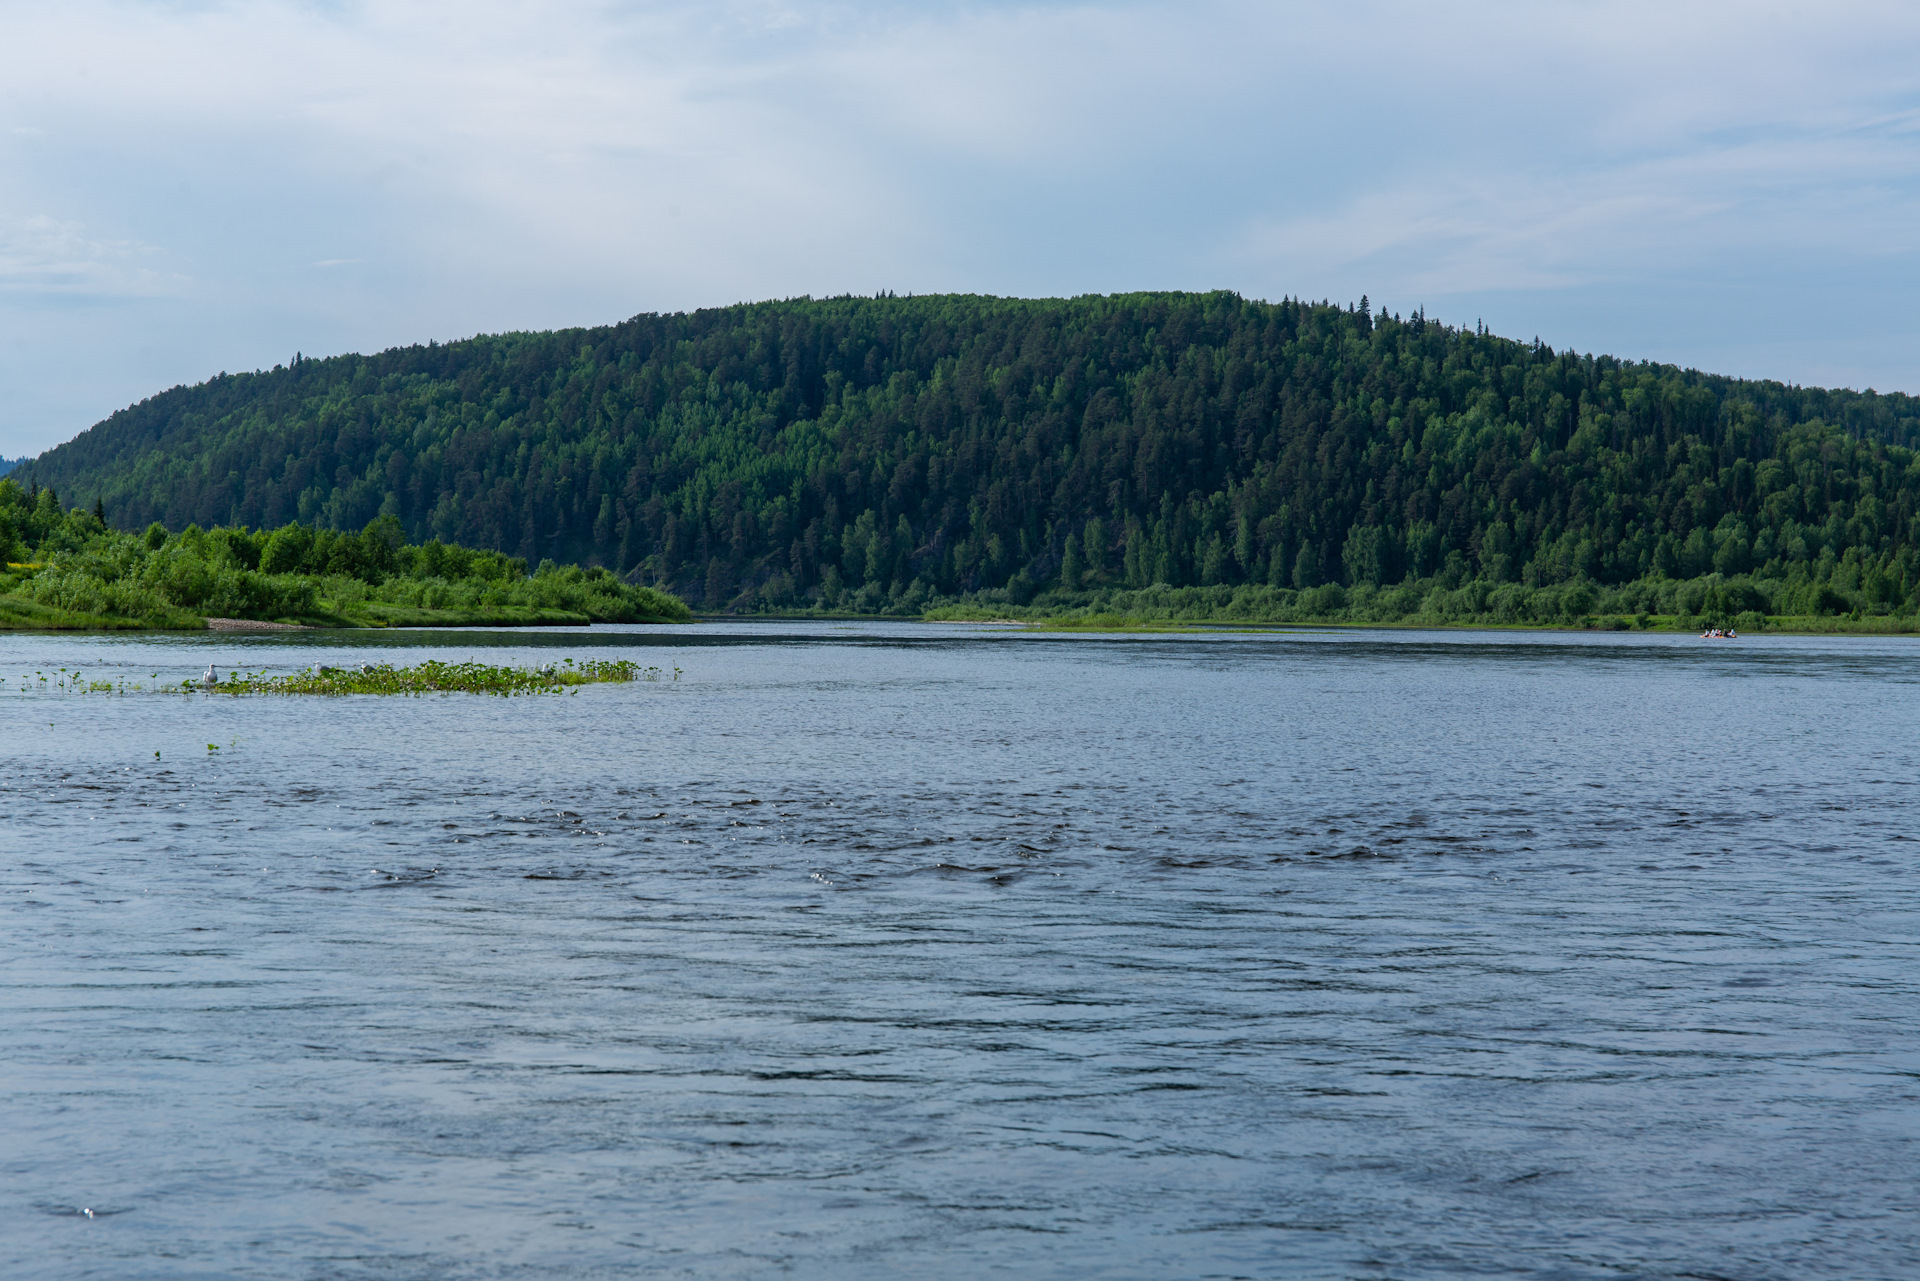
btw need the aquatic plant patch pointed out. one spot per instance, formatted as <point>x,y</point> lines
<point>434,677</point>
<point>431,677</point>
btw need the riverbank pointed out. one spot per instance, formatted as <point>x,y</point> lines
<point>1837,606</point>
<point>1117,625</point>
<point>1776,625</point>
<point>81,576</point>
<point>19,614</point>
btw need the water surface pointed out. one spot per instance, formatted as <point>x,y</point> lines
<point>867,951</point>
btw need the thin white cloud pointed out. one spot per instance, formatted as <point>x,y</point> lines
<point>1438,234</point>
<point>39,255</point>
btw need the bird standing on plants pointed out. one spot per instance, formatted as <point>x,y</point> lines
<point>211,678</point>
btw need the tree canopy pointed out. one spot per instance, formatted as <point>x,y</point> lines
<point>878,450</point>
<point>66,569</point>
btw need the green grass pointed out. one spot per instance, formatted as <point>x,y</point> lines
<point>1042,619</point>
<point>1111,623</point>
<point>18,614</point>
<point>378,614</point>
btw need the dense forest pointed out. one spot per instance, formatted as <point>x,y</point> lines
<point>65,569</point>
<point>878,454</point>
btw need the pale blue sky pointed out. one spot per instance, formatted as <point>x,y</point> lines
<point>194,187</point>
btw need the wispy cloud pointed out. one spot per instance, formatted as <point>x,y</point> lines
<point>42,256</point>
<point>1691,213</point>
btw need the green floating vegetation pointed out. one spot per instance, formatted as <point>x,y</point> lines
<point>431,677</point>
<point>62,681</point>
<point>434,677</point>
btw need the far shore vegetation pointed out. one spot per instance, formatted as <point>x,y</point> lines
<point>67,571</point>
<point>1282,462</point>
<point>1159,458</point>
<point>1841,602</point>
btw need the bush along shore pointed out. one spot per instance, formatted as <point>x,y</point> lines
<point>1840,602</point>
<point>67,571</point>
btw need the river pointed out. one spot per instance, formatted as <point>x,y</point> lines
<point>862,951</point>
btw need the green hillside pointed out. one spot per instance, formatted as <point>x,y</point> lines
<point>876,454</point>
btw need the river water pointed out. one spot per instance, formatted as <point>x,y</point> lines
<point>870,951</point>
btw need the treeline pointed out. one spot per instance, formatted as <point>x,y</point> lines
<point>878,454</point>
<point>66,567</point>
<point>1711,600</point>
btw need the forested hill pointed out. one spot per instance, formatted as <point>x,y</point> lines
<point>873,450</point>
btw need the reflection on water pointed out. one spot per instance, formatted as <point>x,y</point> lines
<point>882,950</point>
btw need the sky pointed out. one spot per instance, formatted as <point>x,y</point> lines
<point>194,187</point>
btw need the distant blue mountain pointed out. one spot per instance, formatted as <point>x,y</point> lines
<point>8,464</point>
